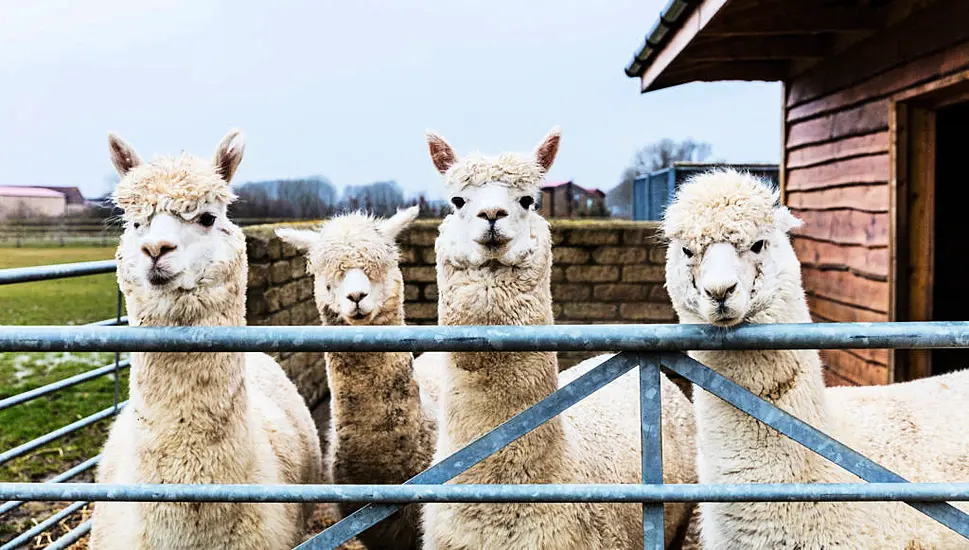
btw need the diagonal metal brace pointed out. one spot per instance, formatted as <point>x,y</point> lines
<point>807,435</point>
<point>480,448</point>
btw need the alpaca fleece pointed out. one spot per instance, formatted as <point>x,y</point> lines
<point>381,431</point>
<point>596,441</point>
<point>200,417</point>
<point>914,428</point>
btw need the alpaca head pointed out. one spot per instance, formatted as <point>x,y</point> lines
<point>493,201</point>
<point>354,261</point>
<point>177,241</point>
<point>729,249</point>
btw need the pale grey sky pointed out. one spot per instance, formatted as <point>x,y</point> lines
<point>346,89</point>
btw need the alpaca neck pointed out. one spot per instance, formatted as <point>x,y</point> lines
<point>790,379</point>
<point>373,401</point>
<point>192,408</point>
<point>486,389</point>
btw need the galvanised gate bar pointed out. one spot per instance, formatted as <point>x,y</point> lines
<point>643,347</point>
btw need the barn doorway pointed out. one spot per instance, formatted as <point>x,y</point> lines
<point>950,301</point>
<point>931,191</point>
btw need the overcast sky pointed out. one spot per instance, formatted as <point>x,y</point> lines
<point>346,89</point>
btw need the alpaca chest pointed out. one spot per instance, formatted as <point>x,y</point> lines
<point>204,525</point>
<point>478,298</point>
<point>185,456</point>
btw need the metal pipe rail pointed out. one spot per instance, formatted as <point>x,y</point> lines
<point>44,525</point>
<point>71,537</point>
<point>614,338</point>
<point>69,474</point>
<point>467,493</point>
<point>56,271</point>
<point>25,448</point>
<point>30,395</point>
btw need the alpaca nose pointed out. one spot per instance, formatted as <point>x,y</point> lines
<point>492,215</point>
<point>720,292</point>
<point>157,249</point>
<point>357,296</point>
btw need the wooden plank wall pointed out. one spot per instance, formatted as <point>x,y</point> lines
<point>838,169</point>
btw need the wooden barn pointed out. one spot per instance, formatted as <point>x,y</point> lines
<point>875,94</point>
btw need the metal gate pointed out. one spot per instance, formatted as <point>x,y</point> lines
<point>647,348</point>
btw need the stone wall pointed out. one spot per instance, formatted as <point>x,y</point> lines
<point>605,272</point>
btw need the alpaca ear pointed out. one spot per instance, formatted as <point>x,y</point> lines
<point>228,154</point>
<point>391,227</point>
<point>123,156</point>
<point>442,154</point>
<point>785,220</point>
<point>546,151</point>
<point>301,239</point>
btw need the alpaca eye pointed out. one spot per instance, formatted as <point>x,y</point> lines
<point>757,247</point>
<point>458,202</point>
<point>687,252</point>
<point>136,225</point>
<point>206,220</point>
<point>526,202</point>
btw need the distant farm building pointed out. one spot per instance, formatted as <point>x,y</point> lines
<point>653,191</point>
<point>74,199</point>
<point>566,199</point>
<point>875,104</point>
<point>31,202</point>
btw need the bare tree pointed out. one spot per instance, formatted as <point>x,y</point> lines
<point>651,158</point>
<point>381,198</point>
<point>253,202</point>
<point>316,198</point>
<point>310,198</point>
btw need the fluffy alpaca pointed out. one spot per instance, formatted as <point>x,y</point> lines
<point>197,417</point>
<point>380,432</point>
<point>493,268</point>
<point>730,260</point>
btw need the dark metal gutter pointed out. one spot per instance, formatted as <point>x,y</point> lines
<point>669,20</point>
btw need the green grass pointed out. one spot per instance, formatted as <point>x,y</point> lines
<point>61,302</point>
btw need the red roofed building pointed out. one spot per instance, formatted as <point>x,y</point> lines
<point>73,197</point>
<point>565,199</point>
<point>27,202</point>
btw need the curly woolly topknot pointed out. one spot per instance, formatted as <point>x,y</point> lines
<point>180,185</point>
<point>515,170</point>
<point>724,206</point>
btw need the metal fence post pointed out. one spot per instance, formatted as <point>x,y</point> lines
<point>117,356</point>
<point>651,421</point>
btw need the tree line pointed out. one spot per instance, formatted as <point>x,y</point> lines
<point>315,198</point>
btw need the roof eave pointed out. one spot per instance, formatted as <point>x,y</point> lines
<point>679,22</point>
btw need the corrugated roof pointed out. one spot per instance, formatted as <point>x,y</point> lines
<point>713,40</point>
<point>38,192</point>
<point>72,194</point>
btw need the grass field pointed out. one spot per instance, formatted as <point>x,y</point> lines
<point>62,302</point>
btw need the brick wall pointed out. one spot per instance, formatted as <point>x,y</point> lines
<point>281,293</point>
<point>605,272</point>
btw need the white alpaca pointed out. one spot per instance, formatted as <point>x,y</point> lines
<point>493,268</point>
<point>197,417</point>
<point>381,432</point>
<point>730,261</point>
